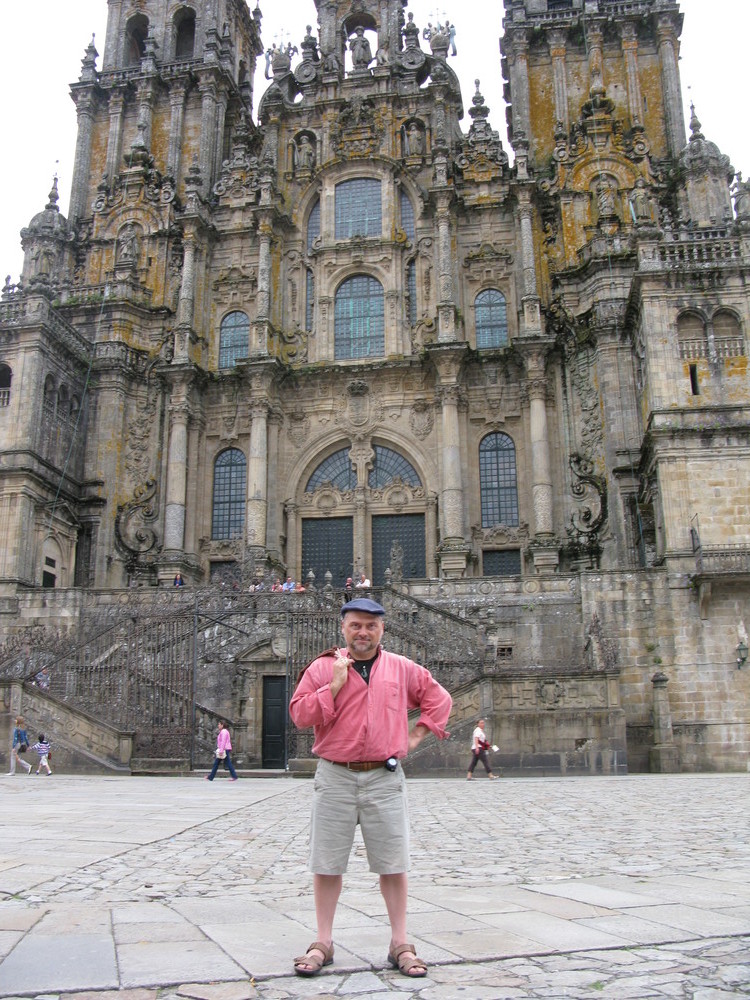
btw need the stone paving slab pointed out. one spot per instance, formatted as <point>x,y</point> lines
<point>571,889</point>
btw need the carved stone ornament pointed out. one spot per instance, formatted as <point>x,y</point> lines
<point>327,498</point>
<point>421,419</point>
<point>134,535</point>
<point>358,409</point>
<point>399,495</point>
<point>298,427</point>
<point>358,130</point>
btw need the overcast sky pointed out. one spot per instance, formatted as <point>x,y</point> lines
<point>42,43</point>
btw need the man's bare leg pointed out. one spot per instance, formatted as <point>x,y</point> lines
<point>395,890</point>
<point>326,889</point>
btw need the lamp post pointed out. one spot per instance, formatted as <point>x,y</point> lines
<point>741,653</point>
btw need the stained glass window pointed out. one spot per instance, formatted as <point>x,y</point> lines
<point>491,319</point>
<point>411,290</point>
<point>359,319</point>
<point>234,339</point>
<point>387,466</point>
<point>497,480</point>
<point>337,470</point>
<point>358,208</point>
<point>313,224</point>
<point>407,215</point>
<point>229,494</point>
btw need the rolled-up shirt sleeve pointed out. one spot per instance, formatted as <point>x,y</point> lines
<point>312,703</point>
<point>432,699</point>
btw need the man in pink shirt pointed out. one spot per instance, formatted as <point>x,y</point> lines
<point>357,699</point>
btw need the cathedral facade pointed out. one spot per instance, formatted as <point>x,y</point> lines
<point>342,333</point>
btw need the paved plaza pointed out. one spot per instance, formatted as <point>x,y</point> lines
<point>164,888</point>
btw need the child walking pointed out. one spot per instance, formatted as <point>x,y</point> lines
<point>42,747</point>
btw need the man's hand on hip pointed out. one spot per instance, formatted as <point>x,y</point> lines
<point>416,736</point>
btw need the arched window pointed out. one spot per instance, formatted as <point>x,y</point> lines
<point>313,224</point>
<point>359,319</point>
<point>407,215</point>
<point>497,480</point>
<point>728,339</point>
<point>184,42</point>
<point>50,396</point>
<point>337,470</point>
<point>63,403</point>
<point>411,292</point>
<point>135,40</point>
<point>234,339</point>
<point>6,377</point>
<point>691,336</point>
<point>358,208</point>
<point>389,465</point>
<point>230,476</point>
<point>491,319</point>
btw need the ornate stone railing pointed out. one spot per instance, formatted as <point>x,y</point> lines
<point>725,560</point>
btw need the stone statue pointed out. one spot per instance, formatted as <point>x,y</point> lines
<point>640,203</point>
<point>413,140</point>
<point>360,49</point>
<point>305,153</point>
<point>605,199</point>
<point>129,246</point>
<point>741,194</point>
<point>397,561</point>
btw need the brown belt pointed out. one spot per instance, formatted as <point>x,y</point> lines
<point>357,765</point>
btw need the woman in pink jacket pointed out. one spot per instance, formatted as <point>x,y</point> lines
<point>223,753</point>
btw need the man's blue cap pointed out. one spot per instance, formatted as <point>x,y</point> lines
<point>363,604</point>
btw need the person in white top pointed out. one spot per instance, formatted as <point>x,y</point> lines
<point>479,747</point>
<point>362,582</point>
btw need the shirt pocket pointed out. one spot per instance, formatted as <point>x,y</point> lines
<point>392,699</point>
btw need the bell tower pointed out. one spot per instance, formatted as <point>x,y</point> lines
<point>560,54</point>
<point>341,20</point>
<point>173,78</point>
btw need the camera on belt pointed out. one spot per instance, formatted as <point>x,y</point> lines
<point>391,764</point>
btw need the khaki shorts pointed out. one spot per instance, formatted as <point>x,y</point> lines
<point>374,799</point>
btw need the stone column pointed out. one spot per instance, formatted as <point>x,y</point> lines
<point>518,63</point>
<point>541,476</point>
<point>186,301</point>
<point>174,519</point>
<point>257,476</point>
<point>532,317</point>
<point>263,295</point>
<point>670,76</point>
<point>114,139</point>
<point>207,152</point>
<point>446,328</point>
<point>664,757</point>
<point>430,534</point>
<point>360,533</point>
<point>146,110</point>
<point>177,96</point>
<point>556,41</point>
<point>629,41</point>
<point>221,112</point>
<point>451,492</point>
<point>595,42</point>
<point>82,166</point>
<point>291,511</point>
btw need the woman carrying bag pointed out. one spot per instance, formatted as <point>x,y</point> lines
<point>19,744</point>
<point>223,753</point>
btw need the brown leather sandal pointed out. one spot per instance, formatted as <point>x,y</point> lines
<point>314,961</point>
<point>397,958</point>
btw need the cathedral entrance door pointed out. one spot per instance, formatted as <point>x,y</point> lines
<point>327,544</point>
<point>389,531</point>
